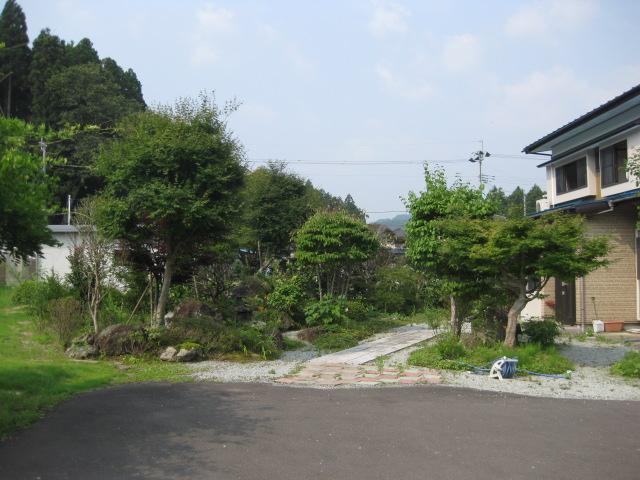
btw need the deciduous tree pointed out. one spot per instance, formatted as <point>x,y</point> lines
<point>333,245</point>
<point>173,177</point>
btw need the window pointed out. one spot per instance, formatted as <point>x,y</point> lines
<point>613,164</point>
<point>571,176</point>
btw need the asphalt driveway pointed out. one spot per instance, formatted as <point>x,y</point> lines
<point>250,431</point>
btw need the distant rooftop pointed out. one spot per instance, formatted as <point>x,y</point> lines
<point>611,104</point>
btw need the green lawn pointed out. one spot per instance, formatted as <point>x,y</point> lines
<point>35,375</point>
<point>530,357</point>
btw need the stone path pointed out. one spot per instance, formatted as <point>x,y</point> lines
<point>365,352</point>
<point>335,375</point>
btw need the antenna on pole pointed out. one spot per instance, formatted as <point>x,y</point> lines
<point>478,157</point>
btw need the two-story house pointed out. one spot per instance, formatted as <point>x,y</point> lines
<point>586,169</point>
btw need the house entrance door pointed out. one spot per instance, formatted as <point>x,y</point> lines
<point>566,302</point>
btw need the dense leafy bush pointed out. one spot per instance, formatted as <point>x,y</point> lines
<point>358,310</point>
<point>36,295</point>
<point>288,294</point>
<point>65,317</point>
<point>328,311</point>
<point>543,332</point>
<point>339,339</point>
<point>398,289</point>
<point>629,366</point>
<point>449,347</point>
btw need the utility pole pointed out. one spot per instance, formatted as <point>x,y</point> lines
<point>43,148</point>
<point>478,157</point>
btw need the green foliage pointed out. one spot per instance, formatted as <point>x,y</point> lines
<point>14,60</point>
<point>543,332</point>
<point>532,357</point>
<point>65,318</point>
<point>330,310</point>
<point>190,346</point>
<point>449,347</point>
<point>337,340</point>
<point>292,344</point>
<point>398,289</point>
<point>434,245</point>
<point>288,294</point>
<point>275,206</point>
<point>332,245</point>
<point>358,310</point>
<point>37,295</point>
<point>172,180</point>
<point>629,366</point>
<point>85,94</point>
<point>23,193</point>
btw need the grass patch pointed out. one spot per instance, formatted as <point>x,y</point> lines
<point>35,374</point>
<point>292,344</point>
<point>530,357</point>
<point>629,366</point>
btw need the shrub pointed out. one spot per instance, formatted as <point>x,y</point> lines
<point>397,289</point>
<point>255,341</point>
<point>287,294</point>
<point>328,311</point>
<point>65,318</point>
<point>543,332</point>
<point>36,295</point>
<point>629,366</point>
<point>358,310</point>
<point>336,340</point>
<point>449,347</point>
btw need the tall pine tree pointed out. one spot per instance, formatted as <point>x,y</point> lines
<point>14,62</point>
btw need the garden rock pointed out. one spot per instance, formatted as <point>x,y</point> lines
<point>81,352</point>
<point>185,355</point>
<point>169,355</point>
<point>120,339</point>
<point>192,308</point>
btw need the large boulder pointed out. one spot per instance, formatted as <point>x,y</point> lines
<point>188,355</point>
<point>120,339</point>
<point>81,352</point>
<point>169,355</point>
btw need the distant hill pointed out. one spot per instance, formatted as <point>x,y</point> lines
<point>399,221</point>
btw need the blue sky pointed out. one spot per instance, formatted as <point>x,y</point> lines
<point>372,82</point>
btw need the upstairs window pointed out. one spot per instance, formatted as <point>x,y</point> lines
<point>571,176</point>
<point>613,164</point>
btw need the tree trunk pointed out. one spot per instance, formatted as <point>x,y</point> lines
<point>454,317</point>
<point>169,268</point>
<point>512,322</point>
<point>259,257</point>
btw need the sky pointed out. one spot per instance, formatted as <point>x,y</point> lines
<point>356,94</point>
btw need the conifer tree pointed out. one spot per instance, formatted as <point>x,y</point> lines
<point>14,62</point>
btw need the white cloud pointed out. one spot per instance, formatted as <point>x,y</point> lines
<point>548,17</point>
<point>462,52</point>
<point>388,18</point>
<point>211,24</point>
<point>546,100</point>
<point>220,20</point>
<point>397,85</point>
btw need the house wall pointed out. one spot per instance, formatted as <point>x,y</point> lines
<point>54,259</point>
<point>615,287</point>
<point>593,187</point>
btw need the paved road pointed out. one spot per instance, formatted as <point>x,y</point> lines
<point>249,431</point>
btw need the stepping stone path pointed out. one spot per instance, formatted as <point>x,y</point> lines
<point>346,367</point>
<point>334,375</point>
<point>366,352</point>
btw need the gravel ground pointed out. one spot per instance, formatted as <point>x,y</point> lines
<point>259,372</point>
<point>590,380</point>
